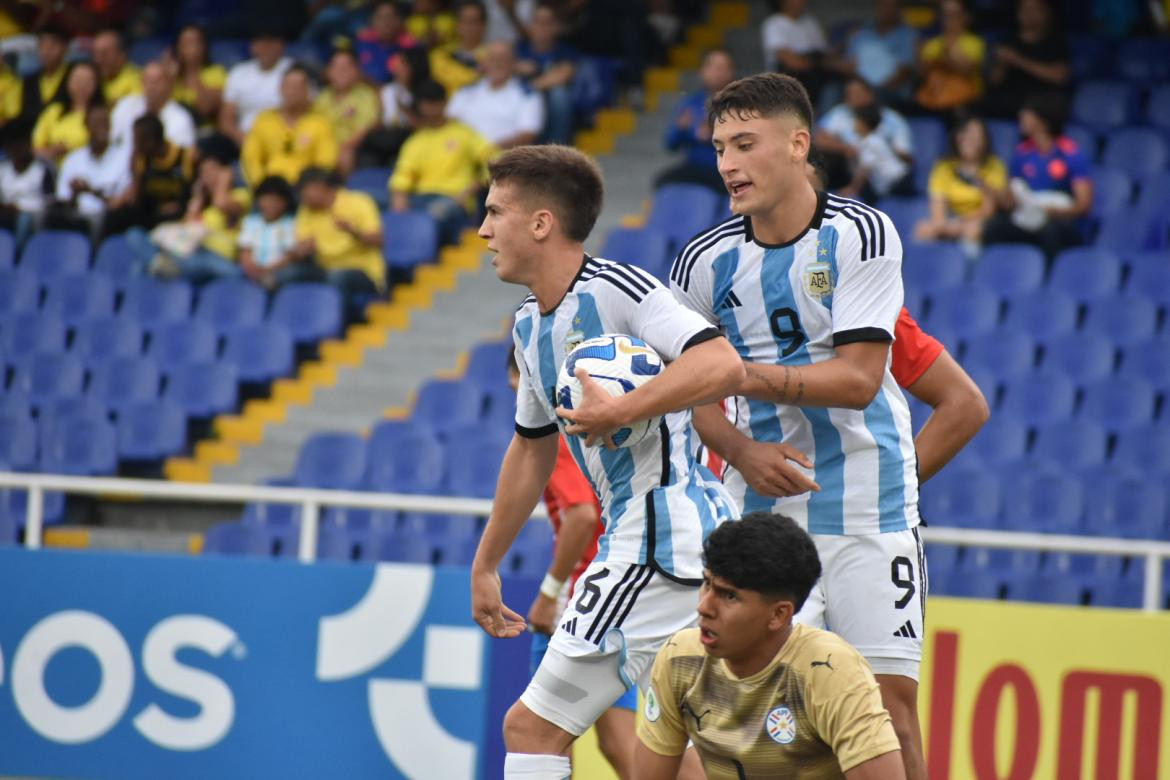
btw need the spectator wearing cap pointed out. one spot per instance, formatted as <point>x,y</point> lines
<point>349,105</point>
<point>156,98</point>
<point>120,77</point>
<point>90,178</point>
<point>199,82</point>
<point>690,130</point>
<point>285,141</point>
<point>42,85</point>
<point>385,37</point>
<point>253,86</point>
<point>457,64</point>
<point>548,65</point>
<point>499,106</point>
<point>61,126</point>
<point>442,166</point>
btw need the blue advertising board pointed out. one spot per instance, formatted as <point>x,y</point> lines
<point>143,666</point>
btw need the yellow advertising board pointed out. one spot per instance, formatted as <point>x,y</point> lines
<point>1019,692</point>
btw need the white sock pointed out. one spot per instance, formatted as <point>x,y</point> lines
<point>528,766</point>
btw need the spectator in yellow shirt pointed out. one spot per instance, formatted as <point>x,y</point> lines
<point>198,82</point>
<point>42,86</point>
<point>339,238</point>
<point>430,24</point>
<point>456,64</point>
<point>952,62</point>
<point>61,126</point>
<point>441,166</point>
<point>10,94</point>
<point>350,105</point>
<point>285,141</point>
<point>119,76</point>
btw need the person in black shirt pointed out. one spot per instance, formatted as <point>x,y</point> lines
<point>1033,61</point>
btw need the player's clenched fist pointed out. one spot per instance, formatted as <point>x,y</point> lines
<point>767,468</point>
<point>488,609</point>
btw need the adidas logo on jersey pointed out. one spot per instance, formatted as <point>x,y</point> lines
<point>570,626</point>
<point>906,631</point>
<point>731,301</point>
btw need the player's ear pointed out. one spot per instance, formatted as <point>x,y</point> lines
<point>542,224</point>
<point>800,141</point>
<point>783,611</point>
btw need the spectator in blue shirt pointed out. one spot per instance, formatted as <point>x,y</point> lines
<point>548,65</point>
<point>1050,192</point>
<point>377,44</point>
<point>884,51</point>
<point>690,132</point>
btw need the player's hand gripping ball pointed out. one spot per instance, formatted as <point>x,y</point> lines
<point>619,364</point>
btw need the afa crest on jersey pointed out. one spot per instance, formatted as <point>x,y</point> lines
<point>781,725</point>
<point>818,280</point>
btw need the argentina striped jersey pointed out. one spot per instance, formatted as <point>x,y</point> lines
<point>658,504</point>
<point>838,283</point>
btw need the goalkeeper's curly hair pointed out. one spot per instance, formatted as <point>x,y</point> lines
<point>767,553</point>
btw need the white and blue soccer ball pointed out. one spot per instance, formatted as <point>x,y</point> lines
<point>620,364</point>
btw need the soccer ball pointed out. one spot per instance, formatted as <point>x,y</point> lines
<point>619,364</point>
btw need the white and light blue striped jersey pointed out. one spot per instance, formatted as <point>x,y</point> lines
<point>839,282</point>
<point>658,504</point>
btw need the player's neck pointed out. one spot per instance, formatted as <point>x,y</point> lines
<point>762,655</point>
<point>788,218</point>
<point>557,270</point>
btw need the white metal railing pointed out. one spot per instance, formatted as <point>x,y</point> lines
<point>311,501</point>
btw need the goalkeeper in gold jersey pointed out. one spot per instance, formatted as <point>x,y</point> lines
<point>757,695</point>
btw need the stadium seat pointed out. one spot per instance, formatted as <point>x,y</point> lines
<point>1144,451</point>
<point>106,338</point>
<point>1112,191</point>
<point>228,304</point>
<point>1135,150</point>
<point>1103,105</point>
<point>260,353</point>
<point>970,584</point>
<point>1090,56</point>
<point>19,291</point>
<point>448,405</point>
<point>473,467</point>
<point>1150,281</point>
<point>388,435</point>
<point>905,213</point>
<point>18,442</point>
<point>228,51</point>
<point>47,376</point>
<point>1048,502</point>
<point>146,50</point>
<point>7,250</point>
<point>81,446</point>
<point>411,238</point>
<point>1133,508</point>
<point>1068,443</point>
<point>1083,565</point>
<point>174,344</point>
<point>440,526</point>
<point>1005,136</point>
<point>1045,590</point>
<point>16,402</point>
<point>457,552</point>
<point>401,548</point>
<point>52,253</point>
<point>331,461</point>
<point>76,298</point>
<point>682,210</point>
<point>1149,360</point>
<point>26,333</point>
<point>1118,403</point>
<point>1122,318</point>
<point>1001,560</point>
<point>151,301</point>
<point>487,365</point>
<point>967,309</point>
<point>1007,352</point>
<point>1085,139</point>
<point>373,182</point>
<point>308,311</point>
<point>226,539</point>
<point>339,543</point>
<point>415,463</point>
<point>1108,592</point>
<point>203,389</point>
<point>929,138</point>
<point>942,558</point>
<point>1128,232</point>
<point>72,406</point>
<point>1038,398</point>
<point>931,268</point>
<point>122,381</point>
<point>1158,108</point>
<point>1086,273</point>
<point>1082,357</point>
<point>151,430</point>
<point>1011,269</point>
<point>116,260</point>
<point>1143,60</point>
<point>1154,191</point>
<point>969,498</point>
<point>643,247</point>
<point>307,53</point>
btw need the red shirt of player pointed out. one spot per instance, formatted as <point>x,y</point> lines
<point>568,487</point>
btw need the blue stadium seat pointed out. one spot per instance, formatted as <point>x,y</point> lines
<point>1146,451</point>
<point>1082,565</point>
<point>487,365</point>
<point>228,51</point>
<point>339,543</point>
<point>146,50</point>
<point>46,376</point>
<point>1150,281</point>
<point>19,291</point>
<point>260,353</point>
<point>203,389</point>
<point>1115,593</point>
<point>373,182</point>
<point>151,430</point>
<point>967,309</point>
<point>1046,590</point>
<point>1143,60</point>
<point>931,268</point>
<point>969,584</point>
<point>76,298</point>
<point>308,311</point>
<point>1128,232</point>
<point>1090,56</point>
<point>72,406</point>
<point>1086,273</point>
<point>439,526</point>
<point>1072,444</point>
<point>16,402</point>
<point>52,253</point>
<point>1149,360</point>
<point>1144,261</point>
<point>1133,508</point>
<point>1135,150</point>
<point>106,338</point>
<point>28,333</point>
<point>81,446</point>
<point>500,416</point>
<point>1007,352</point>
<point>1122,318</point>
<point>969,498</point>
<point>1005,136</point>
<point>332,461</point>
<point>174,344</point>
<point>228,304</point>
<point>7,250</point>
<point>416,463</point>
<point>1118,403</point>
<point>307,53</point>
<point>1154,191</point>
<point>388,435</point>
<point>1103,105</point>
<point>942,558</point>
<point>1082,357</point>
<point>227,539</point>
<point>1011,269</point>
<point>643,247</point>
<point>473,466</point>
<point>400,548</point>
<point>905,213</point>
<point>1000,439</point>
<point>151,301</point>
<point>1038,398</point>
<point>116,260</point>
<point>1112,191</point>
<point>1086,141</point>
<point>1001,560</point>
<point>929,138</point>
<point>1048,502</point>
<point>410,238</point>
<point>1158,108</point>
<point>18,442</point>
<point>457,552</point>
<point>448,405</point>
<point>682,210</point>
<point>122,381</point>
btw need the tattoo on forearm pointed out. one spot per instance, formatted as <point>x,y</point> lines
<point>778,392</point>
<point>799,387</point>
